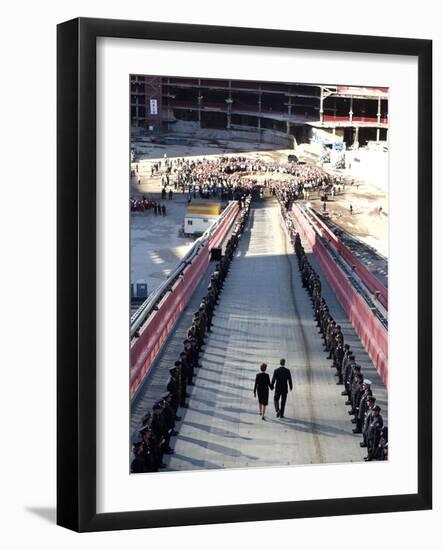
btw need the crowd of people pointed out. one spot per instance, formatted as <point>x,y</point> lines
<point>307,181</point>
<point>152,439</point>
<point>204,177</point>
<point>222,176</point>
<point>364,411</point>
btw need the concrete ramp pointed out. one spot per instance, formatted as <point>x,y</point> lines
<point>264,315</point>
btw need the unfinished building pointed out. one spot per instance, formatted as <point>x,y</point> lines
<point>355,115</point>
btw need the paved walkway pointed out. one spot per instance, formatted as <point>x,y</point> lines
<point>265,314</point>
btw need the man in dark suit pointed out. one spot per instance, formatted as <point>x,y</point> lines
<point>281,379</point>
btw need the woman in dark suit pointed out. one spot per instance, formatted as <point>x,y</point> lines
<point>261,388</point>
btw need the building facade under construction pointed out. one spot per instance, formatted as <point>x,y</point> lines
<point>354,115</point>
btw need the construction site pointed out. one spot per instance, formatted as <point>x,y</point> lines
<point>313,162</point>
<point>355,116</point>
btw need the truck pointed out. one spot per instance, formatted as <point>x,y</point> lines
<point>200,216</point>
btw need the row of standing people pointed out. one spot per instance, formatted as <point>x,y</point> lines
<point>144,204</point>
<point>365,413</point>
<point>151,441</point>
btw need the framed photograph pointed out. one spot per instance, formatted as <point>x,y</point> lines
<point>244,274</point>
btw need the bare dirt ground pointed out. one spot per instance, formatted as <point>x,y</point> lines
<point>366,196</point>
<point>366,221</point>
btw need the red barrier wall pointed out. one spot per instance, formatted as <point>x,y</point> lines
<point>146,347</point>
<point>368,278</point>
<point>220,233</point>
<point>372,333</point>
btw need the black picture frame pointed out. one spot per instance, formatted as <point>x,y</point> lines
<point>76,266</point>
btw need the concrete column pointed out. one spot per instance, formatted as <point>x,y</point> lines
<point>350,111</point>
<point>378,118</point>
<point>288,124</point>
<point>199,100</point>
<point>228,121</point>
<point>259,111</point>
<point>321,103</point>
<point>355,145</point>
<point>229,104</point>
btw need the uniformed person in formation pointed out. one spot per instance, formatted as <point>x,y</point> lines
<point>373,433</point>
<point>173,388</point>
<point>157,438</point>
<point>370,403</point>
<point>352,370</point>
<point>381,452</point>
<point>362,407</point>
<point>138,465</point>
<point>341,369</point>
<point>356,392</point>
<point>187,368</point>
